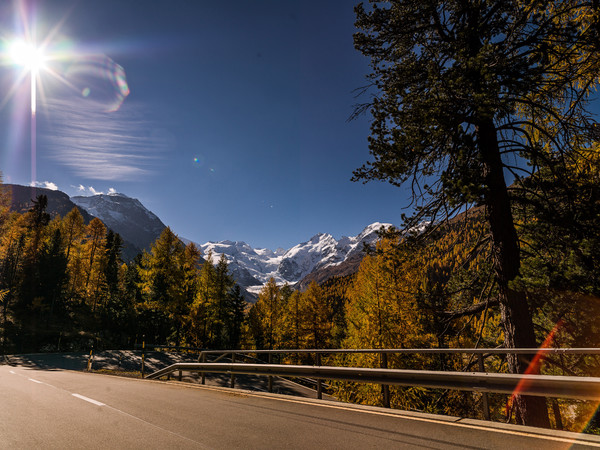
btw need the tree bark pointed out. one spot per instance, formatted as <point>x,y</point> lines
<point>515,314</point>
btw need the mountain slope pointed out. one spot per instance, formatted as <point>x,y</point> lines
<point>126,216</point>
<point>348,267</point>
<point>58,202</point>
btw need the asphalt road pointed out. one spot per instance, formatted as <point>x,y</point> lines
<point>65,409</point>
<point>128,360</point>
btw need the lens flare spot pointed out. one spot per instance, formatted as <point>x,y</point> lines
<point>117,74</point>
<point>533,368</point>
<point>102,79</point>
<point>198,161</point>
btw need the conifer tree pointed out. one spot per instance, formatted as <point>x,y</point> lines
<point>236,306</point>
<point>162,279</point>
<point>335,291</point>
<point>201,312</point>
<point>53,275</point>
<point>5,201</point>
<point>37,219</point>
<point>292,321</point>
<point>315,317</point>
<point>28,309</point>
<point>96,252</point>
<point>10,275</point>
<point>72,230</point>
<point>460,87</point>
<point>254,331</point>
<point>223,283</point>
<point>114,244</point>
<point>269,310</point>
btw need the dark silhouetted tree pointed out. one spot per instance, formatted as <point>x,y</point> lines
<point>465,92</point>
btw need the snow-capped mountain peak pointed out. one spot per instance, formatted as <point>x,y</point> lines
<point>116,194</point>
<point>254,267</point>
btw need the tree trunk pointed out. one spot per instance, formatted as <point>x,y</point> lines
<point>515,314</point>
<point>518,333</point>
<point>4,332</point>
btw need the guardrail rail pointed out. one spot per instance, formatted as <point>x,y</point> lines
<point>570,387</point>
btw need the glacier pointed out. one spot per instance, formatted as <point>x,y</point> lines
<point>253,267</point>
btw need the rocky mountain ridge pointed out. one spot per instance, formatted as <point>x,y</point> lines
<point>254,267</point>
<point>59,203</point>
<point>138,226</point>
<point>124,215</point>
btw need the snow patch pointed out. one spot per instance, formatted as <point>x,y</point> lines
<point>289,266</point>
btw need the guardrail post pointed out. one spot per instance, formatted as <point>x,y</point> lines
<point>180,375</point>
<point>385,389</point>
<point>89,364</point>
<point>143,356</point>
<point>557,417</point>
<point>202,374</point>
<point>232,384</point>
<point>485,403</point>
<point>270,376</point>
<point>319,382</point>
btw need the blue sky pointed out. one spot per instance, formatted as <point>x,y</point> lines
<point>235,126</point>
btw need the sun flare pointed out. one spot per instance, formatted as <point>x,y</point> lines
<point>27,55</point>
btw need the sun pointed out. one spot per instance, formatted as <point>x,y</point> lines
<point>27,55</point>
<point>32,59</point>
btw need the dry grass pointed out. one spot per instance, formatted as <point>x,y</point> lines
<point>119,373</point>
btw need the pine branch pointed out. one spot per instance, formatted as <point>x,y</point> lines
<point>468,311</point>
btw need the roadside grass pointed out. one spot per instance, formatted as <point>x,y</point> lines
<point>119,372</point>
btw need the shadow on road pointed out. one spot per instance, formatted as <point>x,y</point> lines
<point>128,361</point>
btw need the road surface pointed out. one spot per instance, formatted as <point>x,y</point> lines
<point>128,360</point>
<point>65,409</point>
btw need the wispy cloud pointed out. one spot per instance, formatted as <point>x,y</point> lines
<point>44,184</point>
<point>81,189</point>
<point>101,145</point>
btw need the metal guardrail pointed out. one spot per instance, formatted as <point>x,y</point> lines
<point>474,351</point>
<point>480,353</point>
<point>583,388</point>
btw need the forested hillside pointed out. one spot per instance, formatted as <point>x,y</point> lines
<point>64,286</point>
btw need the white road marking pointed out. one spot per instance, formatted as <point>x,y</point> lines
<point>96,402</point>
<point>87,399</point>
<point>13,372</point>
